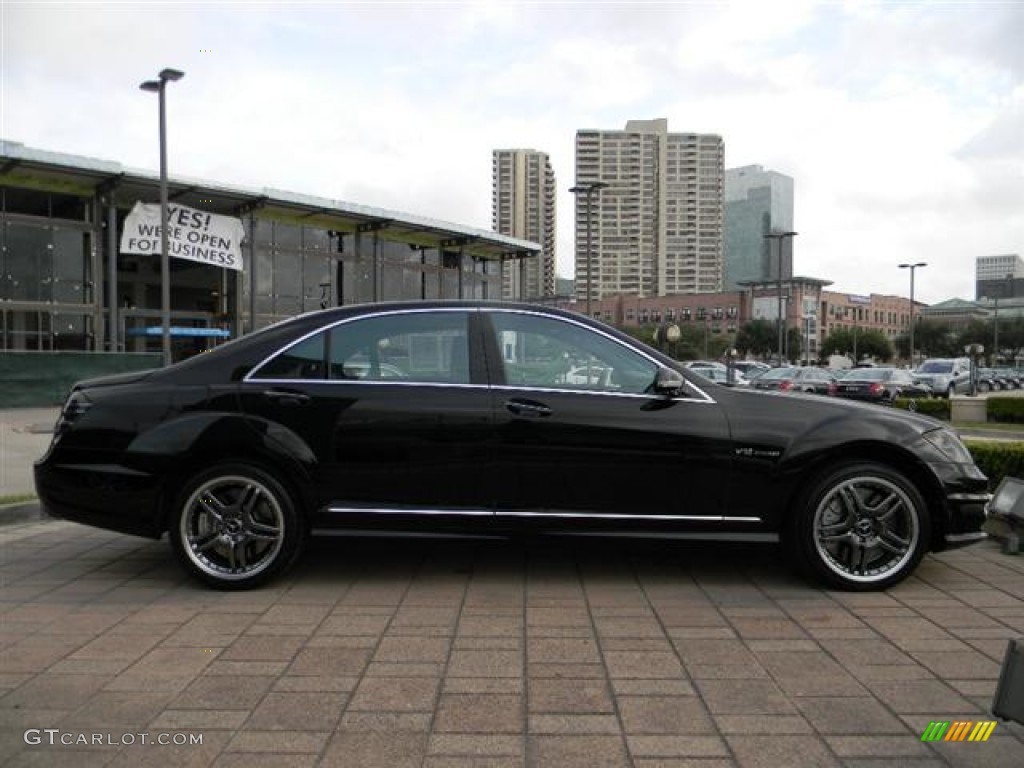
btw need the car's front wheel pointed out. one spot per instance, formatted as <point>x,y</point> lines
<point>235,526</point>
<point>861,526</point>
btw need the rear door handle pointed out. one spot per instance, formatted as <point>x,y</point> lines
<point>286,397</point>
<point>528,408</point>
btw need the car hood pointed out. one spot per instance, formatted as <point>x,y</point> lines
<point>752,412</point>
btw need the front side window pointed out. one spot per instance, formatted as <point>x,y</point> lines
<point>422,347</point>
<point>550,353</point>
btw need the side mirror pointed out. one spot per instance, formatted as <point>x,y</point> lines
<point>668,382</point>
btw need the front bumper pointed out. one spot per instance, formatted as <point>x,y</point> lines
<point>967,514</point>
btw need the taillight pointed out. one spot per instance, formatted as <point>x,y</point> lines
<point>832,388</point>
<point>785,385</point>
<point>876,388</point>
<point>76,405</point>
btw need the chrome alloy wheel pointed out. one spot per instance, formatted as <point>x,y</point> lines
<point>232,527</point>
<point>866,529</point>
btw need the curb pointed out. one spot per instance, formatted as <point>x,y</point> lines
<point>22,512</point>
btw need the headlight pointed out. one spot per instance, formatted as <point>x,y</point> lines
<point>949,445</point>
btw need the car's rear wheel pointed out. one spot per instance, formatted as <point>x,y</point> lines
<point>235,526</point>
<point>861,527</point>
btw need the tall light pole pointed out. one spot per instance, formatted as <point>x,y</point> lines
<point>912,267</point>
<point>1005,289</point>
<point>160,87</point>
<point>588,189</point>
<point>780,237</point>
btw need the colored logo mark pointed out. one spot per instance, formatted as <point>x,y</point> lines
<point>958,730</point>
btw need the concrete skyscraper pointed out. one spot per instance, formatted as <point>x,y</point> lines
<point>756,202</point>
<point>523,206</point>
<point>656,228</point>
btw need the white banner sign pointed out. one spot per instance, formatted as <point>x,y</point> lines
<point>193,235</point>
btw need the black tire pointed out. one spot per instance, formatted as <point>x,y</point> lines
<point>234,526</point>
<point>860,527</point>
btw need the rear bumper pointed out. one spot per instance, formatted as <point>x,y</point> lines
<point>105,496</point>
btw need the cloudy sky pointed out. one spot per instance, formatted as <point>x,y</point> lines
<point>901,123</point>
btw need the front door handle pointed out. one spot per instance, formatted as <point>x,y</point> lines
<point>286,397</point>
<point>528,408</point>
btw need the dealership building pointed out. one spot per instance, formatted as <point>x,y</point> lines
<point>68,284</point>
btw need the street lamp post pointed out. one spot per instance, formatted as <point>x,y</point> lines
<point>588,189</point>
<point>912,267</point>
<point>780,237</point>
<point>1006,289</point>
<point>160,87</point>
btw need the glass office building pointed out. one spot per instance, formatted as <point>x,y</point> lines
<point>756,202</point>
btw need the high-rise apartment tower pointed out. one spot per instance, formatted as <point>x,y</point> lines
<point>523,206</point>
<point>656,229</point>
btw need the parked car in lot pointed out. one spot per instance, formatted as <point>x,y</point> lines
<point>989,381</point>
<point>945,376</point>
<point>796,379</point>
<point>722,376</point>
<point>1010,376</point>
<point>880,385</point>
<point>458,418</point>
<point>751,369</point>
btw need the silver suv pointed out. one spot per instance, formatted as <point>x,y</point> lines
<point>945,375</point>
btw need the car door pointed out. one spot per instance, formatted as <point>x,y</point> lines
<point>604,447</point>
<point>394,411</point>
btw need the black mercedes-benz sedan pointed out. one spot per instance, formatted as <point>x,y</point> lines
<point>477,417</point>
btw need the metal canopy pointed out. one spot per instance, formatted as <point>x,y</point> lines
<point>22,166</point>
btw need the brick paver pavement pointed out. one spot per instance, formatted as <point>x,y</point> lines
<point>390,653</point>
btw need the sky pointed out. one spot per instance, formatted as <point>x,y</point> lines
<point>901,123</point>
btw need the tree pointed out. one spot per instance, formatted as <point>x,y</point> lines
<point>857,343</point>
<point>934,338</point>
<point>757,337</point>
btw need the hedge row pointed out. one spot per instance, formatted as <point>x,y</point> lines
<point>997,459</point>
<point>1002,410</point>
<point>1008,410</point>
<point>937,406</point>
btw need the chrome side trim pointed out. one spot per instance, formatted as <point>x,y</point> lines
<point>523,513</point>
<point>417,511</point>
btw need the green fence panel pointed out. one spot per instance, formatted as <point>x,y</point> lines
<point>39,379</point>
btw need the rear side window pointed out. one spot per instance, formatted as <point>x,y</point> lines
<point>418,347</point>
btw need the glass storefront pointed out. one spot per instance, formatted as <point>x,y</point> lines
<point>55,269</point>
<point>47,290</point>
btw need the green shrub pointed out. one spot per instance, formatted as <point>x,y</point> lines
<point>997,458</point>
<point>1007,410</point>
<point>937,407</point>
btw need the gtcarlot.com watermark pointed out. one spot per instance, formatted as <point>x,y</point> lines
<point>55,737</point>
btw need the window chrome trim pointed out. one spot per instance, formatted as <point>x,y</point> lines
<point>533,313</point>
<point>366,382</point>
<point>345,320</point>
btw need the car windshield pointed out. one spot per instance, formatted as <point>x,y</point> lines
<point>936,366</point>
